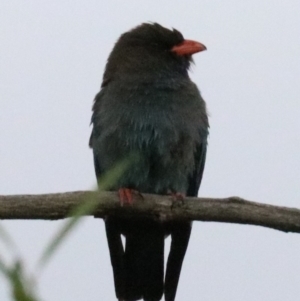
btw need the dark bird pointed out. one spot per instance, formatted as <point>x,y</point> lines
<point>149,106</point>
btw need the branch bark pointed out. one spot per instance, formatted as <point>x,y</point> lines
<point>228,210</point>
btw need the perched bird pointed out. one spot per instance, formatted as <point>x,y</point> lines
<point>149,106</point>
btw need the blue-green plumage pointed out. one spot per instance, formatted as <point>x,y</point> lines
<point>163,126</point>
<point>149,106</point>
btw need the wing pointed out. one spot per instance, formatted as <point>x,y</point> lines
<point>196,177</point>
<point>112,227</point>
<point>95,133</point>
<point>180,231</point>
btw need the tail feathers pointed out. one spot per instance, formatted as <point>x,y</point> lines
<point>116,251</point>
<point>139,270</point>
<point>154,266</point>
<point>133,272</point>
<point>144,264</point>
<point>180,234</point>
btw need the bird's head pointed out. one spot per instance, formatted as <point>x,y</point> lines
<point>150,50</point>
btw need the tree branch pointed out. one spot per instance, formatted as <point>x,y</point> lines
<point>228,210</point>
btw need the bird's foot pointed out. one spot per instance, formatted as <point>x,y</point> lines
<point>126,195</point>
<point>177,199</point>
<point>177,196</point>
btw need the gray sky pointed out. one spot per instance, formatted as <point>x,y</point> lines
<point>52,57</point>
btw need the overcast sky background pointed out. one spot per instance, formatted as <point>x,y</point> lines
<point>52,57</point>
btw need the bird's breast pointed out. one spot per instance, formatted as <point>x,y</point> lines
<point>160,128</point>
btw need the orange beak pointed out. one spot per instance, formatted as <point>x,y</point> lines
<point>188,47</point>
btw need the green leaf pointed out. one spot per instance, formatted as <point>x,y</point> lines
<point>88,206</point>
<point>6,238</point>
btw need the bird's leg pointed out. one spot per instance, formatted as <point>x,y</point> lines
<point>125,196</point>
<point>177,198</point>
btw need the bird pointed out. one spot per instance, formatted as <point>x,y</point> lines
<point>149,106</point>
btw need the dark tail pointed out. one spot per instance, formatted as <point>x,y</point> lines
<point>139,270</point>
<point>116,251</point>
<point>180,234</point>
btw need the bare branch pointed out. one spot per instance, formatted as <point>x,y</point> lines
<point>228,210</point>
